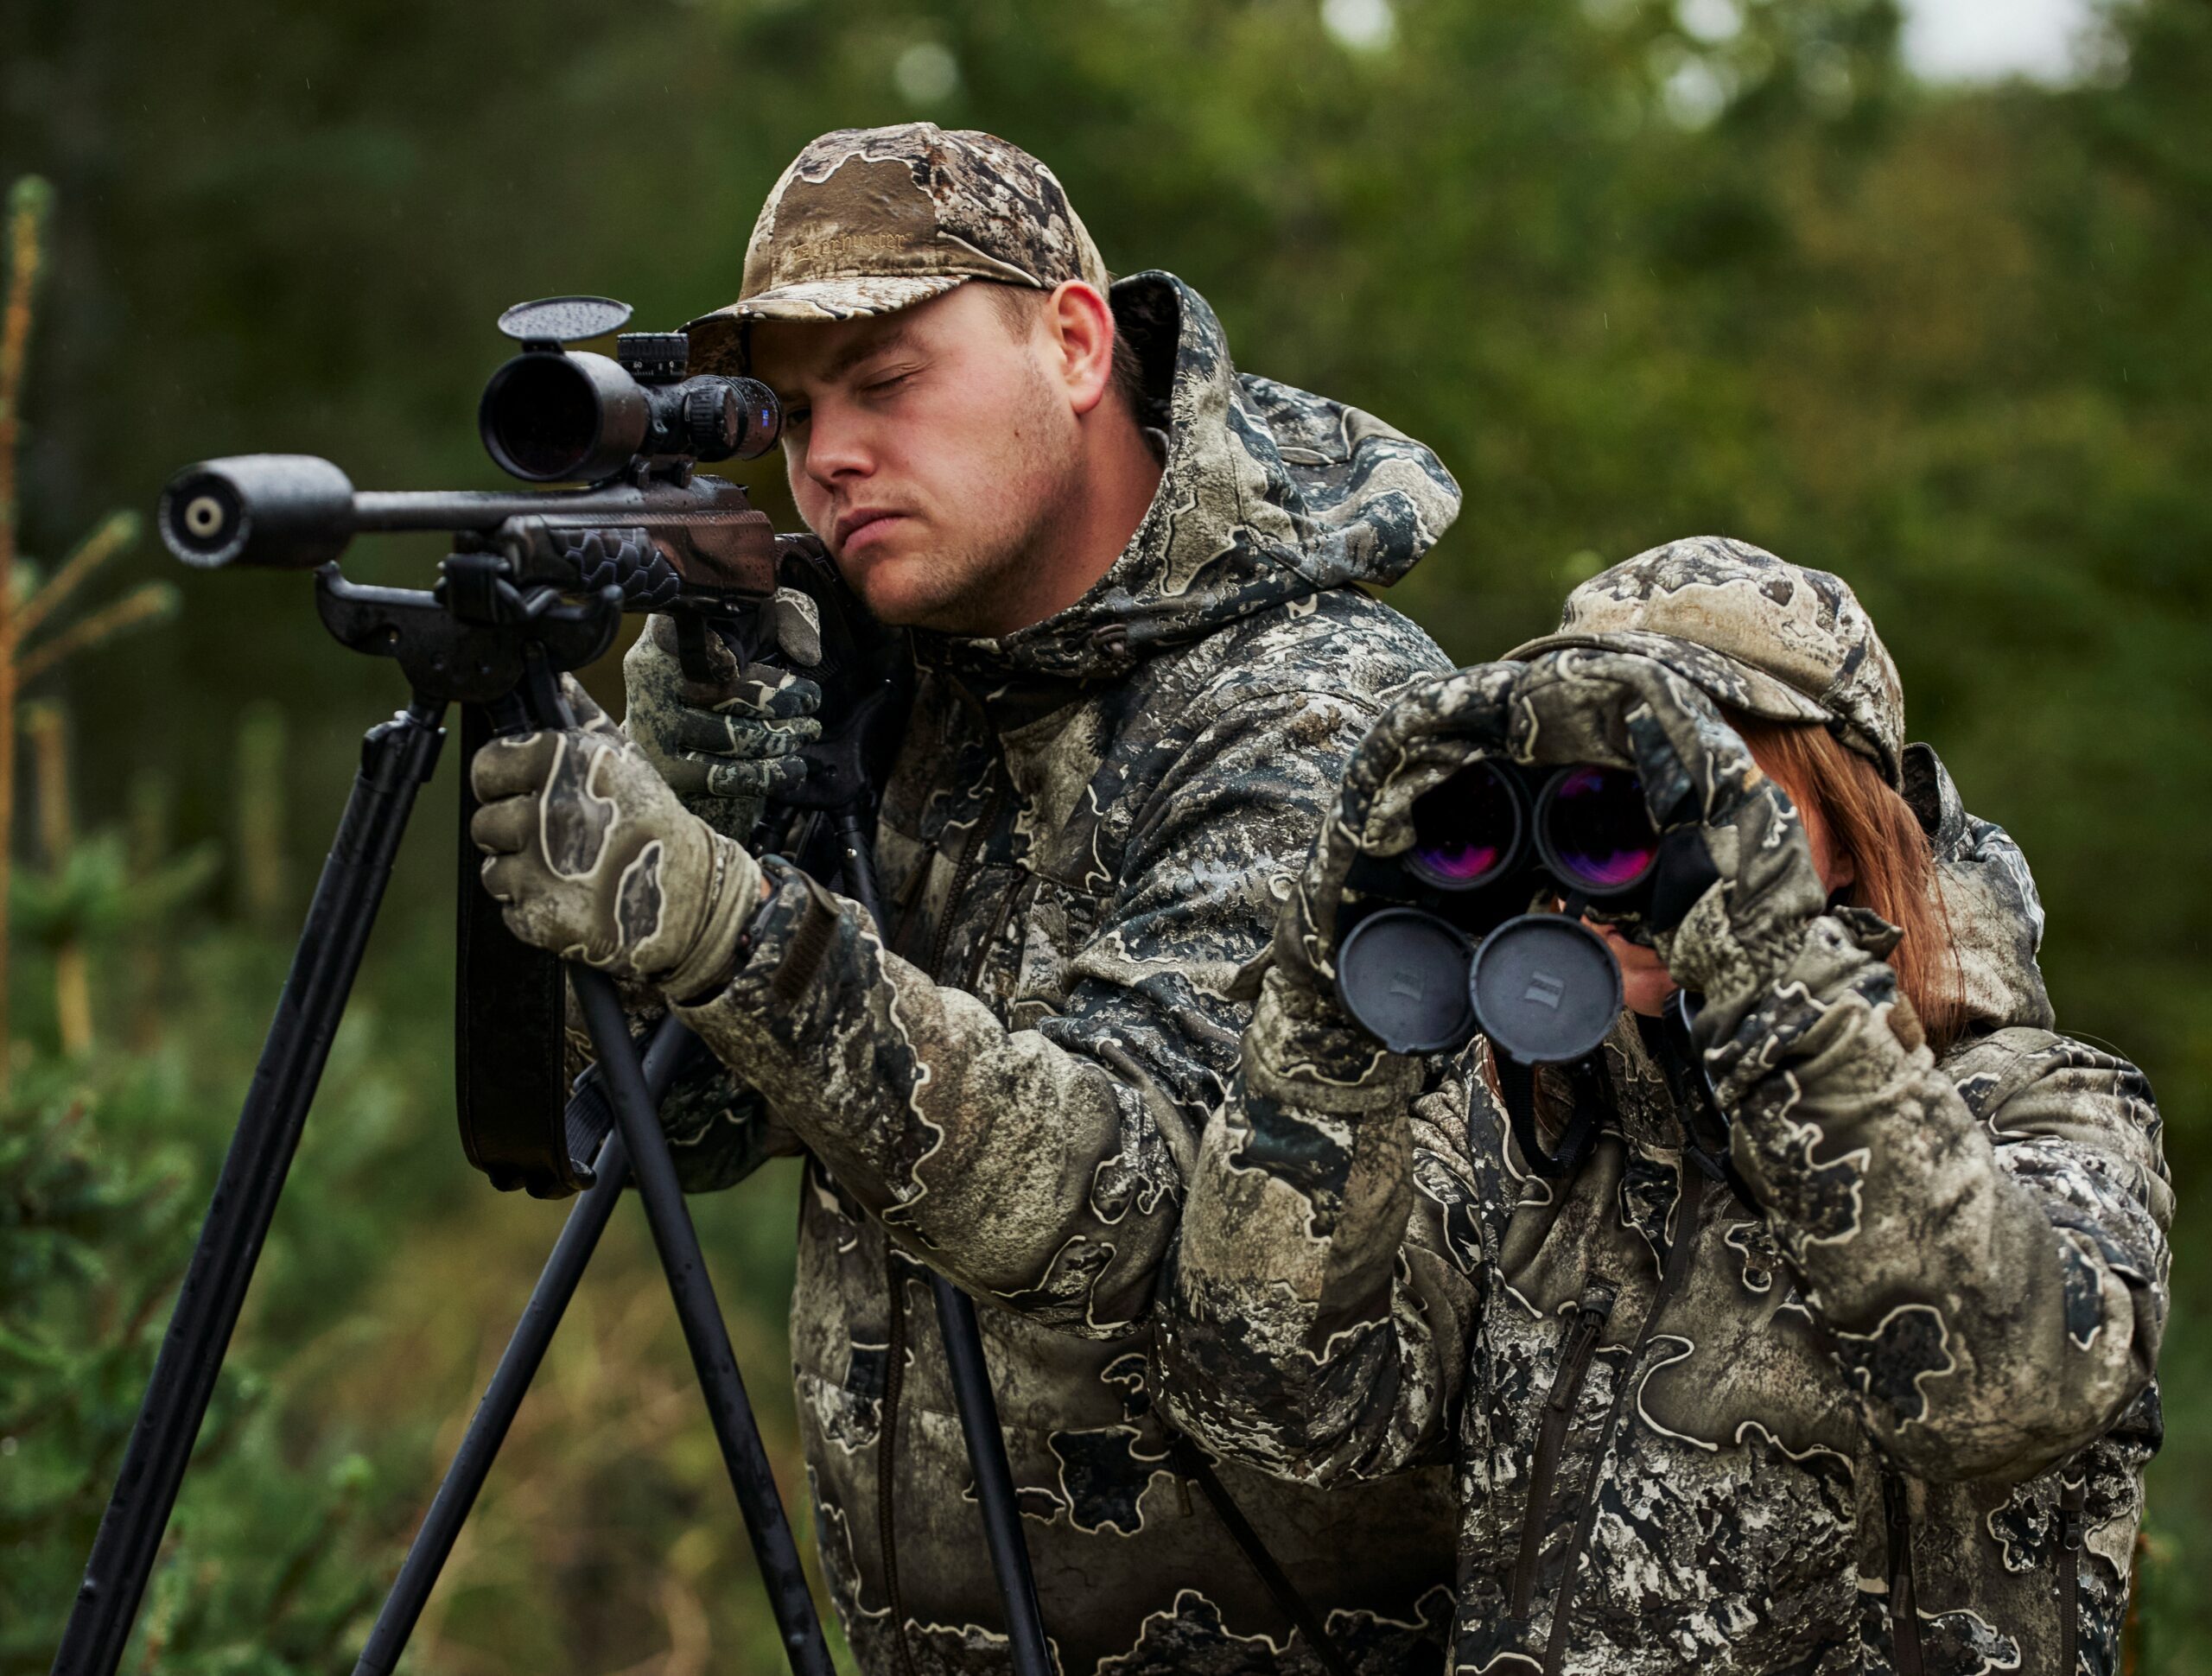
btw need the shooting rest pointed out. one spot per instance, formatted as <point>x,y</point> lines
<point>492,646</point>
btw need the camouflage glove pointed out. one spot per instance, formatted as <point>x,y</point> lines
<point>1435,728</point>
<point>1738,936</point>
<point>727,744</point>
<point>595,860</point>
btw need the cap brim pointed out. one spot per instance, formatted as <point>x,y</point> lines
<point>1722,678</point>
<point>853,298</point>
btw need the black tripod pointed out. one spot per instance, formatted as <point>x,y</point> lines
<point>479,641</point>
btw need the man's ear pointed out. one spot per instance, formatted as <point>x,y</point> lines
<point>1081,326</point>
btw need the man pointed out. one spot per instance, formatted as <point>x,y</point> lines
<point>1141,665</point>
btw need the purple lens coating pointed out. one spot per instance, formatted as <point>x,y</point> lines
<point>1598,829</point>
<point>1465,830</point>
<point>1457,864</point>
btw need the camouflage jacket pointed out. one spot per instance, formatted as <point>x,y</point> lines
<point>1905,1383</point>
<point>1076,848</point>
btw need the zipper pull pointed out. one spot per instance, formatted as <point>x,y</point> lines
<point>1592,1311</point>
<point>2073,1502</point>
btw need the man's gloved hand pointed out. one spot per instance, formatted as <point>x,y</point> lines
<point>727,744</point>
<point>595,860</point>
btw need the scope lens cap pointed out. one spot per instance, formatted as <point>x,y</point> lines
<point>1403,974</point>
<point>1545,989</point>
<point>563,320</point>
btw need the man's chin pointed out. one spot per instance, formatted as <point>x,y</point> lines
<point>901,591</point>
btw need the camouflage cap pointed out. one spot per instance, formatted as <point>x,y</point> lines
<point>1761,635</point>
<point>870,221</point>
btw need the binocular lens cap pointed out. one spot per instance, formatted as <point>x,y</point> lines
<point>1545,989</point>
<point>1403,974</point>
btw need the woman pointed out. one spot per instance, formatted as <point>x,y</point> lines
<point>1863,1385</point>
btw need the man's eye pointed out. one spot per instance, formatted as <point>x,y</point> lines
<point>797,416</point>
<point>885,386</point>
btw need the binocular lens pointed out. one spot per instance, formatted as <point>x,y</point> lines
<point>1597,832</point>
<point>1466,830</point>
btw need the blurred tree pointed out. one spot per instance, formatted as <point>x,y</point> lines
<point>29,204</point>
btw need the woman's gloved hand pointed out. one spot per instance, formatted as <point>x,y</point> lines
<point>1737,935</point>
<point>595,860</point>
<point>727,744</point>
<point>1434,728</point>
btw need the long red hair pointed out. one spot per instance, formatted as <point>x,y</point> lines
<point>1868,819</point>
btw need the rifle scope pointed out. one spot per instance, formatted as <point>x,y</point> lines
<point>557,415</point>
<point>629,430</point>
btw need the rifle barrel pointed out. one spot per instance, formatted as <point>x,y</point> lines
<point>391,511</point>
<point>295,512</point>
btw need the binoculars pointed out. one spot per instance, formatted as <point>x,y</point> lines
<point>1585,828</point>
<point>1478,924</point>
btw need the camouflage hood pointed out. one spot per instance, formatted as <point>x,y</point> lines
<point>1990,898</point>
<point>1269,495</point>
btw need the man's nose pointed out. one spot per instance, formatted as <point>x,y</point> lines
<point>837,448</point>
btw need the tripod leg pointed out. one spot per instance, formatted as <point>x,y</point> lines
<point>971,1378</point>
<point>638,1123</point>
<point>487,1428</point>
<point>397,757</point>
<point>979,1426</point>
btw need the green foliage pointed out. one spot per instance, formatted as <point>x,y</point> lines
<point>92,1245</point>
<point>1634,280</point>
<point>95,892</point>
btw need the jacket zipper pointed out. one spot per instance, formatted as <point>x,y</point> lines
<point>887,1453</point>
<point>1904,1598</point>
<point>1671,1278</point>
<point>895,1374</point>
<point>2073,1500</point>
<point>1582,1334</point>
